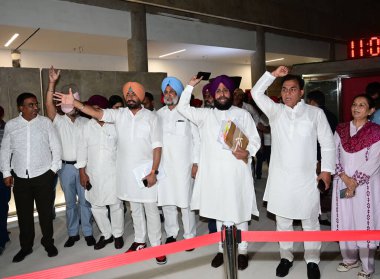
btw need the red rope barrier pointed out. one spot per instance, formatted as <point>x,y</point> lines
<point>301,236</point>
<point>97,265</point>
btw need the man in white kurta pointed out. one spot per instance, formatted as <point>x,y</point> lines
<point>223,188</point>
<point>96,161</point>
<point>139,137</point>
<point>138,148</point>
<point>291,189</point>
<point>179,157</point>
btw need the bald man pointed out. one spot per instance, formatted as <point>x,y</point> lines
<point>139,144</point>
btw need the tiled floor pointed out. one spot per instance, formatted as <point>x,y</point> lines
<point>264,257</point>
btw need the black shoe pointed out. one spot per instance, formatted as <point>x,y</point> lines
<point>20,256</point>
<point>51,250</point>
<point>170,239</point>
<point>119,242</point>
<point>90,240</point>
<point>217,260</point>
<point>71,241</point>
<point>242,261</point>
<point>102,243</point>
<point>283,268</point>
<point>313,271</point>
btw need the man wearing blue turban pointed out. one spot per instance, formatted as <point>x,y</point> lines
<point>179,161</point>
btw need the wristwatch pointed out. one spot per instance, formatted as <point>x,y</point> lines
<point>154,171</point>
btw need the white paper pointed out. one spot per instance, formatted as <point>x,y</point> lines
<point>143,170</point>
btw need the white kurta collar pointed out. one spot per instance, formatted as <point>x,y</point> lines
<point>298,107</point>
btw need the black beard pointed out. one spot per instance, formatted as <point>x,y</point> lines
<point>221,106</point>
<point>133,105</point>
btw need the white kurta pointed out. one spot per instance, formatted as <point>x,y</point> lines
<point>96,150</point>
<point>291,189</point>
<point>68,132</point>
<point>223,188</point>
<point>180,150</point>
<point>137,136</point>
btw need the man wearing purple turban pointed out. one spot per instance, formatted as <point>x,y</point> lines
<point>223,188</point>
<point>96,161</point>
<point>207,98</point>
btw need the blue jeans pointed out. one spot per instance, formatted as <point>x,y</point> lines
<point>80,214</point>
<point>5,196</point>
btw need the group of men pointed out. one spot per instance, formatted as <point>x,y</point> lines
<point>172,158</point>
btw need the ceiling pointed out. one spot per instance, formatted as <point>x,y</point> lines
<point>69,42</point>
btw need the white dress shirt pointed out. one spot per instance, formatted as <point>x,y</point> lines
<point>68,132</point>
<point>30,148</point>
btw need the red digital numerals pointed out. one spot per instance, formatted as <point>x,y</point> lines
<point>362,48</point>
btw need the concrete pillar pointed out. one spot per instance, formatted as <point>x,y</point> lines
<point>258,57</point>
<point>137,45</point>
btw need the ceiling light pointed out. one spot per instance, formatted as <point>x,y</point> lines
<point>273,60</point>
<point>12,39</point>
<point>171,53</point>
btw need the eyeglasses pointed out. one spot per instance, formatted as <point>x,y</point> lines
<point>31,105</point>
<point>224,91</point>
<point>171,92</point>
<point>289,90</point>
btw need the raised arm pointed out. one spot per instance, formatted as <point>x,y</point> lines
<point>258,91</point>
<point>191,113</point>
<point>68,99</point>
<point>49,104</point>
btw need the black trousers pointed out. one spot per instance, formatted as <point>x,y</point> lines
<point>26,191</point>
<point>262,155</point>
<point>5,196</point>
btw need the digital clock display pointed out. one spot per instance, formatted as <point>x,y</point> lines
<point>363,48</point>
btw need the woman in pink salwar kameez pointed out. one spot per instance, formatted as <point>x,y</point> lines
<point>356,192</point>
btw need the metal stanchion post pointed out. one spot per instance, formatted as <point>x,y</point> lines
<point>229,249</point>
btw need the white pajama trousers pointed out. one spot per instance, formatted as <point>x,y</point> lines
<point>171,221</point>
<point>146,218</point>
<point>108,228</point>
<point>312,249</point>
<point>243,246</point>
<point>353,251</point>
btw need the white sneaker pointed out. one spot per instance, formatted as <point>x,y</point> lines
<point>363,275</point>
<point>343,267</point>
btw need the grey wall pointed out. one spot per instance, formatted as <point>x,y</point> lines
<point>14,81</point>
<point>104,83</point>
